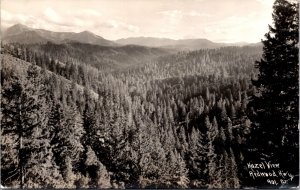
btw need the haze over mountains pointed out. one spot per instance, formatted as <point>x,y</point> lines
<point>23,34</point>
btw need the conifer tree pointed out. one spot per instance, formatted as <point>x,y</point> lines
<point>274,114</point>
<point>67,139</point>
<point>23,115</point>
<point>197,158</point>
<point>213,169</point>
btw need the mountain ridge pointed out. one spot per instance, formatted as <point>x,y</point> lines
<point>21,33</point>
<point>182,44</point>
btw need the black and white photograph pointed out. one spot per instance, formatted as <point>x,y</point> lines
<point>149,94</point>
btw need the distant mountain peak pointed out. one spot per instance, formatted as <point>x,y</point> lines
<point>86,32</point>
<point>20,26</point>
<point>16,29</point>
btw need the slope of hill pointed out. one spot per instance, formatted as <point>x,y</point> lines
<point>23,34</point>
<point>24,37</point>
<point>12,62</point>
<point>103,57</point>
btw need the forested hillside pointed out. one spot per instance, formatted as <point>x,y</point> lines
<point>101,57</point>
<point>175,122</point>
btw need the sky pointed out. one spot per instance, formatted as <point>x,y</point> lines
<point>216,20</point>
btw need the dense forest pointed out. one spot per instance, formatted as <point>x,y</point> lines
<point>169,120</point>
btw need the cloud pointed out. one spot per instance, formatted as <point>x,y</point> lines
<point>266,2</point>
<point>115,24</point>
<point>52,16</point>
<point>89,13</point>
<point>8,19</point>
<point>86,19</point>
<point>196,13</point>
<point>179,14</point>
<point>85,14</point>
<point>171,13</point>
<point>234,29</point>
<point>170,21</point>
<point>174,22</point>
<point>82,19</point>
<point>6,16</point>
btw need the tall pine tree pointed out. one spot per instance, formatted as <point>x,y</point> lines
<point>274,108</point>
